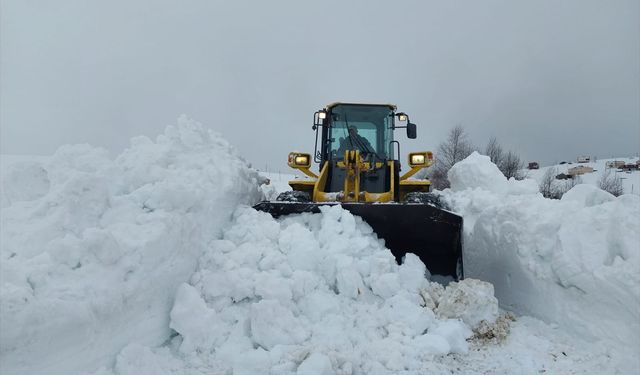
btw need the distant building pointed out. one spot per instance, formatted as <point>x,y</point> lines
<point>615,164</point>
<point>584,159</point>
<point>579,170</point>
<point>534,165</point>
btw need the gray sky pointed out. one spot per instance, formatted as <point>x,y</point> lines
<point>550,79</point>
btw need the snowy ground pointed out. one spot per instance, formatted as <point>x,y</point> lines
<point>151,263</point>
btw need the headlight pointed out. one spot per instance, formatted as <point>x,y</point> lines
<point>402,117</point>
<point>417,159</point>
<point>322,115</point>
<point>302,160</point>
<point>420,159</point>
<point>299,160</point>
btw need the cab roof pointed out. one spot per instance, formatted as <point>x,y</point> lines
<point>391,106</point>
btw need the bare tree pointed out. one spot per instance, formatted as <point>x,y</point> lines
<point>566,186</point>
<point>438,177</point>
<point>494,151</point>
<point>512,166</point>
<point>551,187</point>
<point>611,183</point>
<point>454,149</point>
<point>509,163</point>
<point>547,184</point>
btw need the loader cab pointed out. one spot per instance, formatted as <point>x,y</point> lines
<point>366,128</point>
<point>373,125</point>
<point>369,129</point>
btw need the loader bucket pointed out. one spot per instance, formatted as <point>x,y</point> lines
<point>431,233</point>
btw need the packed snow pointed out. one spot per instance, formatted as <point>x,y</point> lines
<point>154,263</point>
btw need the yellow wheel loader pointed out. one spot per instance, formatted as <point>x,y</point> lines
<point>359,168</point>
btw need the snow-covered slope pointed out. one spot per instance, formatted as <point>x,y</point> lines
<point>153,264</point>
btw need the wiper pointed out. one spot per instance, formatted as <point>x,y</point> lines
<point>362,145</point>
<point>358,142</point>
<point>346,130</point>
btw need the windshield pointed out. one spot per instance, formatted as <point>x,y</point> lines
<point>362,127</point>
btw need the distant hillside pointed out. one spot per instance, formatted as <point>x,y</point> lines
<point>630,180</point>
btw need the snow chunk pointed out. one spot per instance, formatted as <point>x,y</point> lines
<point>470,300</point>
<point>587,195</point>
<point>316,364</point>
<point>431,343</point>
<point>349,282</point>
<point>413,273</point>
<point>386,286</point>
<point>455,333</point>
<point>24,181</point>
<point>188,315</point>
<point>477,171</point>
<point>272,324</point>
<point>136,359</point>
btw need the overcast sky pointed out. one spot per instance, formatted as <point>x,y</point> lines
<point>550,79</point>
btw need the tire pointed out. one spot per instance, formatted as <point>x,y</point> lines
<point>426,198</point>
<point>294,196</point>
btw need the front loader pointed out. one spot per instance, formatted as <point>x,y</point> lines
<point>359,168</point>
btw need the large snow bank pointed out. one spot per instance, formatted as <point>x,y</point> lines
<point>574,262</point>
<point>311,294</point>
<point>94,249</point>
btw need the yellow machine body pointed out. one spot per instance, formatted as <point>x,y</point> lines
<point>359,169</point>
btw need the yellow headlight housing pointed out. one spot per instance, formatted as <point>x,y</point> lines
<point>299,160</point>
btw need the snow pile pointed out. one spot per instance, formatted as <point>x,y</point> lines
<point>94,249</point>
<point>574,262</point>
<point>311,294</point>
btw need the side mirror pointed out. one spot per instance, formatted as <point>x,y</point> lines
<point>411,131</point>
